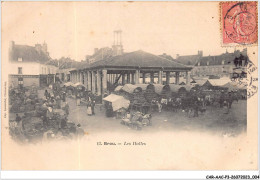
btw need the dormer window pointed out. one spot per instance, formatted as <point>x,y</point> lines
<point>20,59</point>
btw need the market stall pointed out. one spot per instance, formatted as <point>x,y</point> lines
<point>151,91</point>
<point>117,101</point>
<point>118,88</point>
<point>173,90</point>
<point>69,87</point>
<point>130,88</point>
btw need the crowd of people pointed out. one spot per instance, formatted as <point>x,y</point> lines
<point>193,102</point>
<point>48,115</point>
<point>53,110</point>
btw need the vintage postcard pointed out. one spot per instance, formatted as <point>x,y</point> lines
<point>129,85</point>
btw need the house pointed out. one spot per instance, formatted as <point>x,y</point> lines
<point>189,60</point>
<point>220,65</point>
<point>30,65</point>
<point>99,54</point>
<point>65,65</point>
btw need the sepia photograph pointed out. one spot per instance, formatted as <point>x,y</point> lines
<point>129,85</point>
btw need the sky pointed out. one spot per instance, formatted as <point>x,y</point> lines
<point>74,29</point>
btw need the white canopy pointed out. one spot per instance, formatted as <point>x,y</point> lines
<point>143,86</point>
<point>117,101</point>
<point>118,88</point>
<point>68,84</point>
<point>219,82</point>
<point>78,84</point>
<point>130,88</point>
<point>234,86</point>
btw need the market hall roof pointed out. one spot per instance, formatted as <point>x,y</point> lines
<point>137,60</point>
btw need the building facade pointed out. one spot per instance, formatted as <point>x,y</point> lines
<point>219,66</point>
<point>30,65</point>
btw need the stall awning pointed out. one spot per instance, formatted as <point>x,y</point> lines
<point>130,88</point>
<point>118,88</point>
<point>68,84</point>
<point>78,84</point>
<point>158,88</point>
<point>117,101</point>
<point>175,88</point>
<point>232,86</point>
<point>143,86</point>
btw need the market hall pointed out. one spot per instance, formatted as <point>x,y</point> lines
<point>128,68</point>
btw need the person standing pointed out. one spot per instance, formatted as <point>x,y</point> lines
<point>89,109</point>
<point>236,61</point>
<point>78,98</point>
<point>63,96</point>
<point>67,109</point>
<point>230,100</point>
<point>93,103</point>
<point>49,114</point>
<point>58,100</point>
<point>46,94</point>
<point>159,106</point>
<point>221,99</point>
<point>195,100</point>
<point>18,118</point>
<point>240,60</point>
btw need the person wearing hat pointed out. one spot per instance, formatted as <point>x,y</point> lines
<point>46,94</point>
<point>18,118</point>
<point>230,99</point>
<point>221,99</point>
<point>93,103</point>
<point>67,108</point>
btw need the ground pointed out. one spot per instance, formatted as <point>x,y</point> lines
<point>214,120</point>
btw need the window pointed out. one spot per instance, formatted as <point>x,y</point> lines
<point>222,62</point>
<point>207,63</point>
<point>20,80</point>
<point>20,59</point>
<point>20,70</point>
<point>199,64</point>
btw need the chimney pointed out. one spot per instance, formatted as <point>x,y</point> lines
<point>95,50</point>
<point>200,53</point>
<point>177,56</point>
<point>38,47</point>
<point>44,48</point>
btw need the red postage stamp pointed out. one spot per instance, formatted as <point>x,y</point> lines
<point>239,22</point>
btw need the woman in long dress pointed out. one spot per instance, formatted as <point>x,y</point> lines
<point>78,99</point>
<point>89,109</point>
